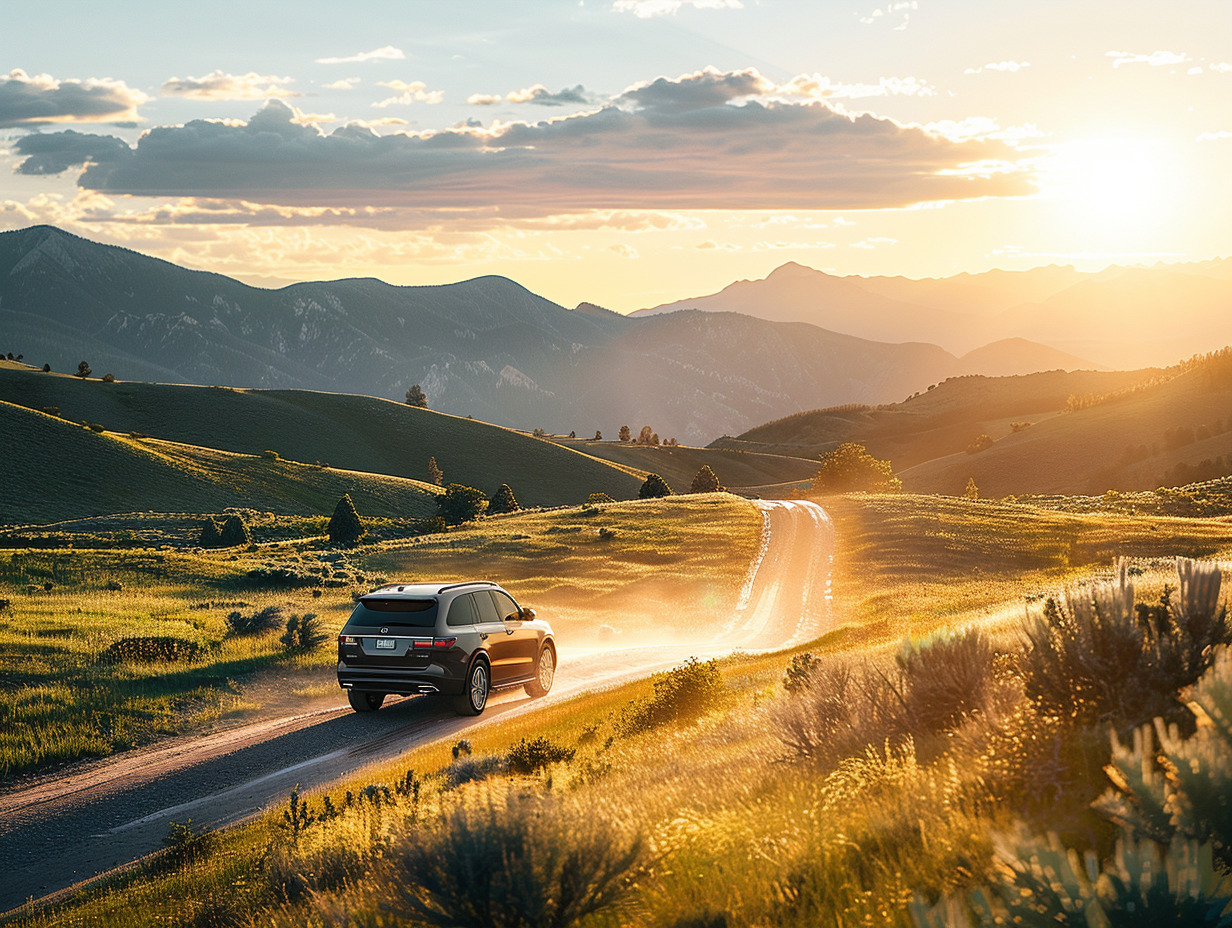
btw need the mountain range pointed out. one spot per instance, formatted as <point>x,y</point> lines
<point>491,349</point>
<point>1122,317</point>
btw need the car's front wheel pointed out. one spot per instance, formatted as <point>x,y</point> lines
<point>545,672</point>
<point>365,702</point>
<point>475,694</point>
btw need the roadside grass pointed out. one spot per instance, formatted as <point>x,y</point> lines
<point>660,571</point>
<point>737,828</point>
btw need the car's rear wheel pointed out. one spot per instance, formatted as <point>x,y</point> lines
<point>545,672</point>
<point>365,702</point>
<point>475,694</point>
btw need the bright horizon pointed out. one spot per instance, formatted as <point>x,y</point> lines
<point>627,152</point>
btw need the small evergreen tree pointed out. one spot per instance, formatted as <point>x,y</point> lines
<point>416,397</point>
<point>345,529</point>
<point>460,504</point>
<point>972,491</point>
<point>503,501</point>
<point>850,468</point>
<point>46,368</point>
<point>598,436</point>
<point>83,370</point>
<point>435,474</point>
<point>234,533</point>
<point>572,433</point>
<point>625,433</point>
<point>210,535</point>
<point>705,481</point>
<point>979,443</point>
<point>654,487</point>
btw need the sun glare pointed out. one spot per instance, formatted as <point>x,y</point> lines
<point>1115,188</point>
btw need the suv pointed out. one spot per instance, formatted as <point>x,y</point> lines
<point>461,639</point>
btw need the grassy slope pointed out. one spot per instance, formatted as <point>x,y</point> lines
<point>707,793</point>
<point>57,470</point>
<point>939,421</point>
<point>735,469</point>
<point>352,432</point>
<point>59,702</point>
<point>1084,451</point>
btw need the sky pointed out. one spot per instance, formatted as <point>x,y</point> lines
<point>621,152</point>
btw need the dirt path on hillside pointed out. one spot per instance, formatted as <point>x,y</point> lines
<point>71,826</point>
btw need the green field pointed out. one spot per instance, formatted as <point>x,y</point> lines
<point>736,827</point>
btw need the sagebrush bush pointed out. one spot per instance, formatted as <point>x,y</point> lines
<point>304,633</point>
<point>471,769</point>
<point>512,860</point>
<point>263,620</point>
<point>1096,655</point>
<point>529,757</point>
<point>682,694</point>
<point>148,648</point>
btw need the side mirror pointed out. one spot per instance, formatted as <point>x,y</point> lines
<point>526,613</point>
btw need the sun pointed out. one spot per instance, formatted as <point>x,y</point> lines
<point>1114,188</point>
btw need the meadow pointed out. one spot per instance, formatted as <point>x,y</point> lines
<point>902,770</point>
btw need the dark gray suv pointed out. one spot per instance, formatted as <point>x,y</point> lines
<point>460,639</point>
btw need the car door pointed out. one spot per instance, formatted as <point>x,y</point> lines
<point>524,640</point>
<point>499,640</point>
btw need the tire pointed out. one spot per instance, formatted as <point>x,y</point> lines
<point>545,672</point>
<point>365,702</point>
<point>474,694</point>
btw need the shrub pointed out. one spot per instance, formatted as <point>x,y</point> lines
<point>114,586</point>
<point>304,633</point>
<point>595,499</point>
<point>468,769</point>
<point>523,861</point>
<point>265,620</point>
<point>1097,655</point>
<point>971,491</point>
<point>850,468</point>
<point>185,844</point>
<point>979,443</point>
<point>416,397</point>
<point>108,378</point>
<point>270,455</point>
<point>682,694</point>
<point>345,529</point>
<point>655,487</point>
<point>705,481</point>
<point>95,427</point>
<point>800,672</point>
<point>528,757</point>
<point>283,577</point>
<point>83,370</point>
<point>460,504</point>
<point>503,500</point>
<point>150,648</point>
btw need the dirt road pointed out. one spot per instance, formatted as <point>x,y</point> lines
<point>94,817</point>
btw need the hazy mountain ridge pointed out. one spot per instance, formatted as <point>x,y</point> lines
<point>1120,317</point>
<point>485,347</point>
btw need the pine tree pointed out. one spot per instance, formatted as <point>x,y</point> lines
<point>706,481</point>
<point>345,529</point>
<point>972,491</point>
<point>416,397</point>
<point>503,501</point>
<point>210,535</point>
<point>654,487</point>
<point>435,474</point>
<point>83,370</point>
<point>234,533</point>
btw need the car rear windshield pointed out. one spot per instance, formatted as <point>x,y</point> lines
<point>393,613</point>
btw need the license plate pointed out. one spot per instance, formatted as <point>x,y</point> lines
<point>386,644</point>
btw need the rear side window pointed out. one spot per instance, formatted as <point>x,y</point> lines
<point>394,613</point>
<point>461,612</point>
<point>487,608</point>
<point>505,605</point>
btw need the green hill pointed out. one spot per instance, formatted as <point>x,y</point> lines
<point>56,470</point>
<point>740,471</point>
<point>356,433</point>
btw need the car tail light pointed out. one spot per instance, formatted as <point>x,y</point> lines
<point>347,639</point>
<point>443,642</point>
<point>422,643</point>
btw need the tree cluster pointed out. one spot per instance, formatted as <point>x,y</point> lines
<point>850,468</point>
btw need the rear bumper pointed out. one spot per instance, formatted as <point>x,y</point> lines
<point>430,679</point>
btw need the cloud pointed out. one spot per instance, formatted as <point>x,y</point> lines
<point>218,85</point>
<point>40,99</point>
<point>384,53</point>
<point>1005,66</point>
<point>408,93</point>
<point>821,87</point>
<point>695,142</point>
<point>1219,136</point>
<point>536,94</point>
<point>900,11</point>
<point>873,242</point>
<point>1156,59</point>
<point>347,83</point>
<point>647,9</point>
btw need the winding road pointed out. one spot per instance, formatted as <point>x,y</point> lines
<point>69,827</point>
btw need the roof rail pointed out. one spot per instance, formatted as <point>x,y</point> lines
<point>454,586</point>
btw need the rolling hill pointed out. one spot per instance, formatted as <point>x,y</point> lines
<point>56,470</point>
<point>486,347</point>
<point>355,433</point>
<point>1129,430</point>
